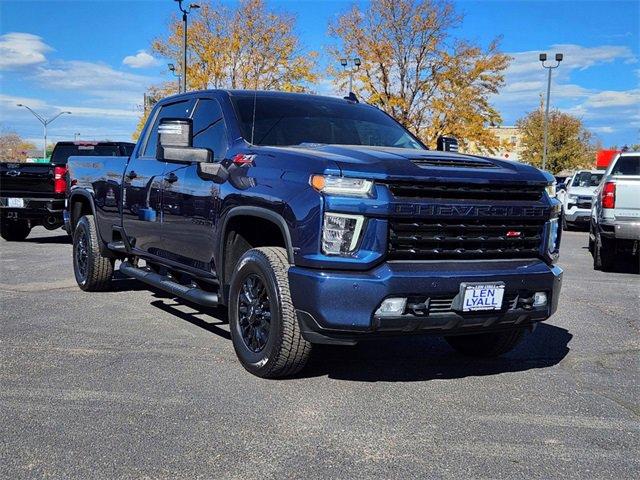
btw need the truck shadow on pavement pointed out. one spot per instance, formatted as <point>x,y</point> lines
<point>207,319</point>
<point>420,358</point>
<point>396,359</point>
<point>60,239</point>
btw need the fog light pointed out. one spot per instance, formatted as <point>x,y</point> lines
<point>392,307</point>
<point>539,299</point>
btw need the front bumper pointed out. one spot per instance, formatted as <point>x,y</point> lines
<point>577,215</point>
<point>339,306</point>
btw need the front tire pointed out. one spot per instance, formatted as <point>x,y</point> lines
<point>15,231</point>
<point>93,272</point>
<point>264,329</point>
<point>491,344</point>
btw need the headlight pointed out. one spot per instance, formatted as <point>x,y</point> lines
<point>572,197</point>
<point>332,185</point>
<point>551,190</point>
<point>340,233</point>
<point>552,240</point>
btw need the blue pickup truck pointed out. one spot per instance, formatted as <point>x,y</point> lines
<point>318,220</point>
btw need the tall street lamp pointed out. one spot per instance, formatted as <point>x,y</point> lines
<point>44,122</point>
<point>543,59</point>
<point>172,69</point>
<point>185,12</point>
<point>356,62</point>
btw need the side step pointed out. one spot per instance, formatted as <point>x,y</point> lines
<point>119,247</point>
<point>192,294</point>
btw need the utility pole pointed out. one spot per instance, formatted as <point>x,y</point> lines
<point>44,122</point>
<point>185,12</point>
<point>356,62</point>
<point>543,58</point>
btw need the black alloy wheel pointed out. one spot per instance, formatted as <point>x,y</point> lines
<point>81,256</point>
<point>254,312</point>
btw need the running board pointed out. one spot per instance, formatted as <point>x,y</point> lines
<point>192,294</point>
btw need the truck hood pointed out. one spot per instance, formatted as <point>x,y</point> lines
<point>387,163</point>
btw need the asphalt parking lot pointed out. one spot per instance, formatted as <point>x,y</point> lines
<point>132,384</point>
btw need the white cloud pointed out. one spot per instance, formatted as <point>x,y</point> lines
<point>74,75</point>
<point>140,60</point>
<point>604,111</point>
<point>18,50</point>
<point>609,98</point>
<point>603,129</point>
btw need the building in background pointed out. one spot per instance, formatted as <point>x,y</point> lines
<point>510,140</point>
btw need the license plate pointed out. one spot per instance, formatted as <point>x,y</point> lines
<point>478,297</point>
<point>15,203</point>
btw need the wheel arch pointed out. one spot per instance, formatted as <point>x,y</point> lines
<point>265,215</point>
<point>82,203</point>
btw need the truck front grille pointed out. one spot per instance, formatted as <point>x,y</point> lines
<point>426,239</point>
<point>463,191</point>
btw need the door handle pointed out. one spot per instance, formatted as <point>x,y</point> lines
<point>171,178</point>
<point>132,174</point>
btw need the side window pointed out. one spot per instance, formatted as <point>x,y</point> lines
<point>208,128</point>
<point>181,109</point>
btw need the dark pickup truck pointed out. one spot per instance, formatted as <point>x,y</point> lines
<point>33,194</point>
<point>318,220</point>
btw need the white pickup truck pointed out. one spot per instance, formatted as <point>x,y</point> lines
<point>615,216</point>
<point>578,198</point>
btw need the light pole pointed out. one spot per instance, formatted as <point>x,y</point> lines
<point>356,62</point>
<point>76,137</point>
<point>543,58</point>
<point>185,12</point>
<point>44,122</point>
<point>172,68</point>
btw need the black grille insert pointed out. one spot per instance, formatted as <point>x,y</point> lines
<point>492,191</point>
<point>426,239</point>
<point>423,306</point>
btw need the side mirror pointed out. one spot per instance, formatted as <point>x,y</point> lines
<point>175,142</point>
<point>447,144</point>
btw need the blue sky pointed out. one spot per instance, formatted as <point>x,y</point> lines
<point>92,58</point>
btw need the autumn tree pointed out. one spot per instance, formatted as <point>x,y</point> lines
<point>569,144</point>
<point>243,47</point>
<point>415,70</point>
<point>13,148</point>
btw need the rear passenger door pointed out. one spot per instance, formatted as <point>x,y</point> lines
<point>143,182</point>
<point>190,204</point>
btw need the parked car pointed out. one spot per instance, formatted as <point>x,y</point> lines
<point>578,197</point>
<point>33,194</point>
<point>615,218</point>
<point>318,220</point>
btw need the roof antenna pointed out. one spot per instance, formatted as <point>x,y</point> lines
<point>352,98</point>
<point>253,121</point>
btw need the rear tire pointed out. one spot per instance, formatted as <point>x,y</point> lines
<point>603,253</point>
<point>264,328</point>
<point>93,272</point>
<point>15,231</point>
<point>491,344</point>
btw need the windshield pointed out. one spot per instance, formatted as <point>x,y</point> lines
<point>627,165</point>
<point>62,152</point>
<point>282,121</point>
<point>586,179</point>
